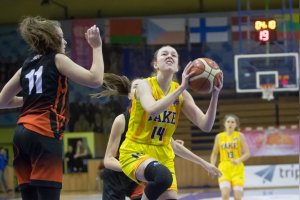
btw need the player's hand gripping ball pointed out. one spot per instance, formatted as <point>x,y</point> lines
<point>206,75</point>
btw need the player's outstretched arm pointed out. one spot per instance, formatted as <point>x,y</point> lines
<point>182,151</point>
<point>92,77</point>
<point>117,129</point>
<point>8,98</point>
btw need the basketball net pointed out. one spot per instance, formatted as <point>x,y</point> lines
<point>267,91</point>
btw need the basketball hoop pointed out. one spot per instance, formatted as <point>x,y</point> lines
<point>267,91</point>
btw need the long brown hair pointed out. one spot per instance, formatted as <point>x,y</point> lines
<point>114,85</point>
<point>41,34</point>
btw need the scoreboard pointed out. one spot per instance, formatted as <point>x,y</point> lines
<point>265,29</point>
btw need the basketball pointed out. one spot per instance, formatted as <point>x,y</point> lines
<point>206,75</point>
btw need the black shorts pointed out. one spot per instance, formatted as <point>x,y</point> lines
<point>37,159</point>
<point>116,186</point>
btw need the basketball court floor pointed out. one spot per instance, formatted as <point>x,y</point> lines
<point>192,194</point>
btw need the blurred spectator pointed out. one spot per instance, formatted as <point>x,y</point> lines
<point>97,126</point>
<point>82,124</point>
<point>108,120</point>
<point>3,164</point>
<point>88,109</point>
<point>74,108</point>
<point>69,158</point>
<point>82,153</point>
<point>115,62</point>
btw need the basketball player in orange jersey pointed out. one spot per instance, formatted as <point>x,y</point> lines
<point>116,184</point>
<point>233,149</point>
<point>146,155</point>
<point>43,81</point>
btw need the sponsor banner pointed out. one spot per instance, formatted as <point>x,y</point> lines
<point>273,141</point>
<point>259,176</point>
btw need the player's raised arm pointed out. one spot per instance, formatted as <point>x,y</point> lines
<point>92,77</point>
<point>155,107</point>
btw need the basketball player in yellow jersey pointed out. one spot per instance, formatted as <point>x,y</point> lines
<point>234,151</point>
<point>146,155</point>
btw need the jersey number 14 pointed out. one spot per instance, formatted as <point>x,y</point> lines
<point>158,131</point>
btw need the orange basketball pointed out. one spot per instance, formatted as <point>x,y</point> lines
<point>206,75</point>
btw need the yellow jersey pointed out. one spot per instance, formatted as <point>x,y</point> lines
<point>154,130</point>
<point>229,146</point>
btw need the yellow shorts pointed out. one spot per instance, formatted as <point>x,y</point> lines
<point>132,154</point>
<point>232,173</point>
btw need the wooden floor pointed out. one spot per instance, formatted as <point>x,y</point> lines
<point>191,194</point>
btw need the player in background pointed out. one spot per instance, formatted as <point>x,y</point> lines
<point>116,184</point>
<point>233,149</point>
<point>43,81</point>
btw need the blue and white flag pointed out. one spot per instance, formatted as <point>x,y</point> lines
<point>209,29</point>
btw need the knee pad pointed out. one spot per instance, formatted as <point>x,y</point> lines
<point>159,180</point>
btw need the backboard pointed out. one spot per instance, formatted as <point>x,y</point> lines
<point>254,70</point>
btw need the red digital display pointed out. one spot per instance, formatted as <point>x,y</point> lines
<point>264,36</point>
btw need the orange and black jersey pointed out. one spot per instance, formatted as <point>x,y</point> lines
<point>45,96</point>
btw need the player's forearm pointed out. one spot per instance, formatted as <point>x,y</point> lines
<point>210,114</point>
<point>162,104</point>
<point>113,164</point>
<point>97,68</point>
<point>198,160</point>
<point>185,153</point>
<point>213,159</point>
<point>244,157</point>
<point>16,102</point>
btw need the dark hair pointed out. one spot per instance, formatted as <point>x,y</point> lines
<point>114,85</point>
<point>41,34</point>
